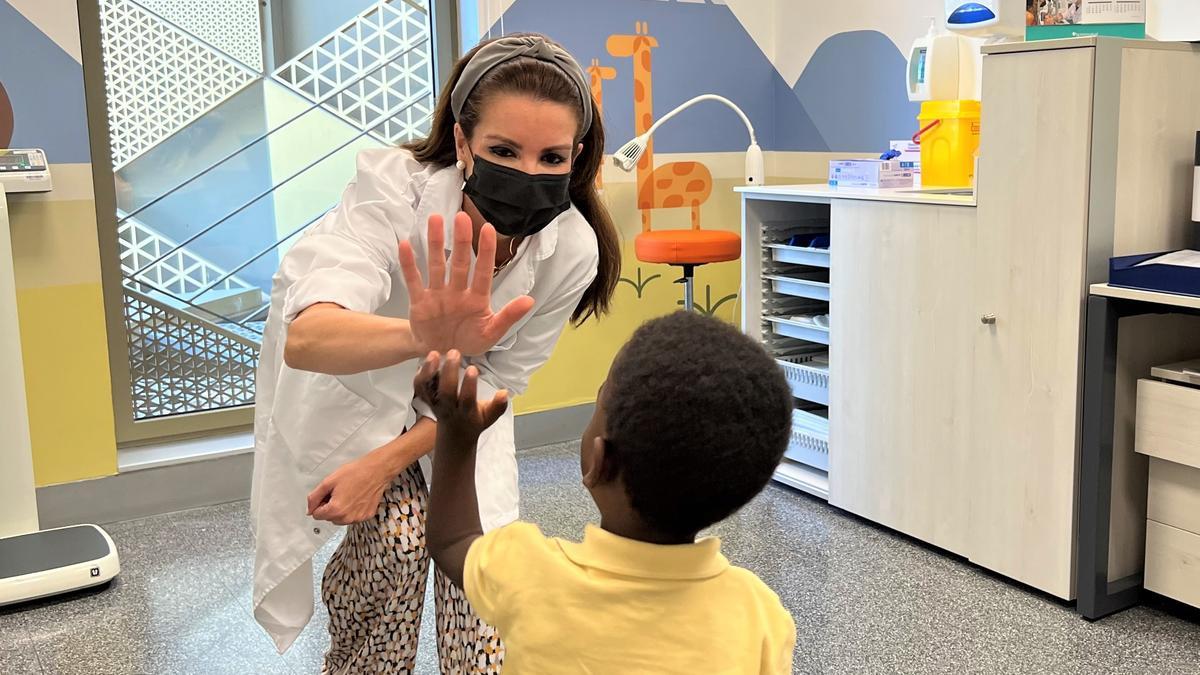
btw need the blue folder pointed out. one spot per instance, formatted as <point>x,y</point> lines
<point>1123,271</point>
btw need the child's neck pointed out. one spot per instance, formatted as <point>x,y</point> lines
<point>631,526</point>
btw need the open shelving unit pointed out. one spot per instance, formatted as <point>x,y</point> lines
<point>786,283</point>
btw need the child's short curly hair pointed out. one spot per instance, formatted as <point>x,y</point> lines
<point>698,418</point>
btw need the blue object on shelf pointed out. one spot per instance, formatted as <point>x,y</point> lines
<point>810,240</point>
<point>1128,272</point>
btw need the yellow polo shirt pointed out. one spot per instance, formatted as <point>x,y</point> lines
<point>615,605</point>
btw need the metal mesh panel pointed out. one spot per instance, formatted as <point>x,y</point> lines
<point>181,273</point>
<point>179,363</point>
<point>158,78</point>
<point>233,26</point>
<point>391,41</point>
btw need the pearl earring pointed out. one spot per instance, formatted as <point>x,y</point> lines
<point>460,165</point>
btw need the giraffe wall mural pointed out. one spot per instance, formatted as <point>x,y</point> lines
<point>671,185</point>
<point>598,74</point>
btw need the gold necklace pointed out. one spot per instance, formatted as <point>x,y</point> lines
<point>512,253</point>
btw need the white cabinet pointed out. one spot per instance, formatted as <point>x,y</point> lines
<point>900,366</point>
<point>956,333</point>
<point>1086,154</point>
<point>1029,275</point>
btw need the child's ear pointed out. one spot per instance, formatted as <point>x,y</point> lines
<point>598,468</point>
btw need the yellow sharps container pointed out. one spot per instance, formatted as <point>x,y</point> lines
<point>949,137</point>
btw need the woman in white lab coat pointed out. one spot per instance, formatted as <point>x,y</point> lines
<point>516,142</point>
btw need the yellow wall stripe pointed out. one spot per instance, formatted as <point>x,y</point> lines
<point>67,382</point>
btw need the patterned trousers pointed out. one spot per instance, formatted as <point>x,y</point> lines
<point>374,588</point>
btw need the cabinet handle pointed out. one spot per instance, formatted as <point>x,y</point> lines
<point>988,319</point>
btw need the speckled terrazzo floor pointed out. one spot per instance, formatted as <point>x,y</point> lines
<point>865,601</point>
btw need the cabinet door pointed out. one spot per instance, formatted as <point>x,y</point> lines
<point>1033,194</point>
<point>900,366</point>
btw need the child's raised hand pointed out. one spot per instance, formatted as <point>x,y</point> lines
<point>456,407</point>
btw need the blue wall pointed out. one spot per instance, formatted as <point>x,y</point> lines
<point>854,91</point>
<point>45,86</point>
<point>851,96</point>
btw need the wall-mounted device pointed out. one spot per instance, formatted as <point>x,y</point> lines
<point>628,155</point>
<point>986,18</point>
<point>947,63</point>
<point>25,170</point>
<point>939,65</point>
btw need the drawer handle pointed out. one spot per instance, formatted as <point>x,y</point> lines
<point>988,319</point>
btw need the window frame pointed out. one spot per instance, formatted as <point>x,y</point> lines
<point>130,431</point>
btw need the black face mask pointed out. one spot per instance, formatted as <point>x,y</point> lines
<point>516,203</point>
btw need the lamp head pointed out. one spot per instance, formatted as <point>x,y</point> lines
<point>629,154</point>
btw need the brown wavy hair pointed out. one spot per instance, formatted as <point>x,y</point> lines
<point>545,82</point>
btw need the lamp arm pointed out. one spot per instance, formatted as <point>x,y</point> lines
<point>704,97</point>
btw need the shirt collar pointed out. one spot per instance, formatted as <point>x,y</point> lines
<point>604,550</point>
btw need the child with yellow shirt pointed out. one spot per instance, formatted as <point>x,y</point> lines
<point>688,427</point>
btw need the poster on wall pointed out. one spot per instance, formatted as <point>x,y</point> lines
<point>1084,12</point>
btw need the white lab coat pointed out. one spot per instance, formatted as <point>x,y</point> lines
<point>306,425</point>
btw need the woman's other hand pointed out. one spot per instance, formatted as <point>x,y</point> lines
<point>351,494</point>
<point>457,409</point>
<point>457,314</point>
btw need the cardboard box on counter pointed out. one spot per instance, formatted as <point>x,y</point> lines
<point>869,173</point>
<point>910,158</point>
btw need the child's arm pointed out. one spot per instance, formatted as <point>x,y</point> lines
<point>452,522</point>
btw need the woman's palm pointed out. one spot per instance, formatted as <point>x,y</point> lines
<point>448,319</point>
<point>457,313</point>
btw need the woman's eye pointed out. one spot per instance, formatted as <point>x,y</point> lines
<point>501,151</point>
<point>553,159</point>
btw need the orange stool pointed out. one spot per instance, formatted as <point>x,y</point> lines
<point>687,249</point>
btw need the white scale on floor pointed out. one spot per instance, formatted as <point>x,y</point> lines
<point>34,563</point>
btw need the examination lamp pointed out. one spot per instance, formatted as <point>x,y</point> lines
<point>627,157</point>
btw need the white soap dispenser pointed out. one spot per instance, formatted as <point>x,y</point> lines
<point>933,65</point>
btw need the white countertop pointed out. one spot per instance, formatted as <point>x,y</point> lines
<point>821,193</point>
<point>1172,299</point>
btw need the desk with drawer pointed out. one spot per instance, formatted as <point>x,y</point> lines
<point>1167,429</point>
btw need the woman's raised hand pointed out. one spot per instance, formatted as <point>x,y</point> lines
<point>456,313</point>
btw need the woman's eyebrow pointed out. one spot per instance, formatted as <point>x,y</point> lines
<point>502,139</point>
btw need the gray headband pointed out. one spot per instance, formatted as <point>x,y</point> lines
<point>509,48</point>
